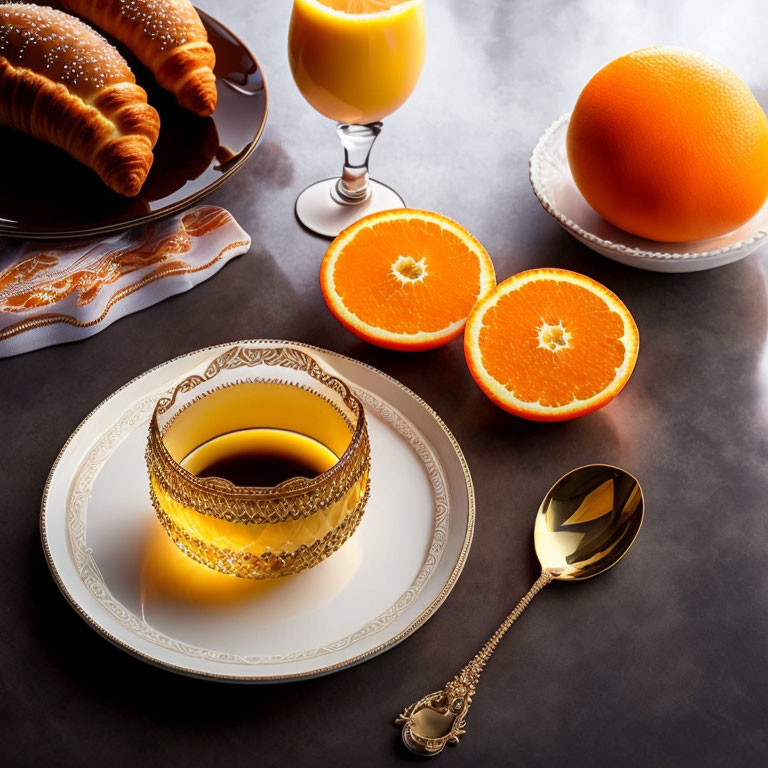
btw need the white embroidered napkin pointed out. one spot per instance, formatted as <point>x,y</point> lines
<point>52,293</point>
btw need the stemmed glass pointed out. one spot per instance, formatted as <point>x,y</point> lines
<point>355,61</point>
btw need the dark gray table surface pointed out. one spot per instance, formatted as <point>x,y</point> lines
<point>661,662</point>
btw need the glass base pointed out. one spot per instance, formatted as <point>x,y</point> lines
<point>321,214</point>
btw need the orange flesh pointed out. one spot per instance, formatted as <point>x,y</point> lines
<point>364,277</point>
<point>509,343</point>
<point>361,6</point>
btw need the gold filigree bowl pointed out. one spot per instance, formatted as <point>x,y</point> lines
<point>259,532</point>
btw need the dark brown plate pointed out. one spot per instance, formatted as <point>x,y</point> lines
<point>46,194</point>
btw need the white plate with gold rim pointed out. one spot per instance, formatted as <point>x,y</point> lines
<point>116,566</point>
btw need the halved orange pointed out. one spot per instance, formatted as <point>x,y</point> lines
<point>405,279</point>
<point>551,345</point>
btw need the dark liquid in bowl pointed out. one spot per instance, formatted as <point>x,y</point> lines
<point>256,468</point>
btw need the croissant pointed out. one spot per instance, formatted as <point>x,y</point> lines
<point>63,83</point>
<point>168,38</point>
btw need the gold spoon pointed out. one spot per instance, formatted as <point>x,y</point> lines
<point>584,526</point>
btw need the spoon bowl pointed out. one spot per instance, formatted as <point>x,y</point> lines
<point>587,522</point>
<point>584,526</point>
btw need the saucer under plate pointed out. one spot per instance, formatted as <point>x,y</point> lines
<point>557,192</point>
<point>115,565</point>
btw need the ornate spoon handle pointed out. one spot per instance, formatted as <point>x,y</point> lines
<point>439,718</point>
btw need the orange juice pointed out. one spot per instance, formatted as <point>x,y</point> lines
<point>356,61</point>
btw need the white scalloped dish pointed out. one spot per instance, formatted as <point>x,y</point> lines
<point>558,194</point>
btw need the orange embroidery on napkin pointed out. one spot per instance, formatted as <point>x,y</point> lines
<point>26,270</point>
<point>166,270</point>
<point>88,279</point>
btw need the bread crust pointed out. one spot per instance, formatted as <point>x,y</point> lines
<point>168,37</point>
<point>64,84</point>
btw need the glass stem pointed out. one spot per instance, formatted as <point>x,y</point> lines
<point>353,187</point>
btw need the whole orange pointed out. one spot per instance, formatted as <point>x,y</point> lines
<point>670,144</point>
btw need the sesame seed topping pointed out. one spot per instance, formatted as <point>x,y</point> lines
<point>59,46</point>
<point>168,22</point>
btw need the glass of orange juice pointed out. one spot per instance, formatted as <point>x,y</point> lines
<point>354,61</point>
